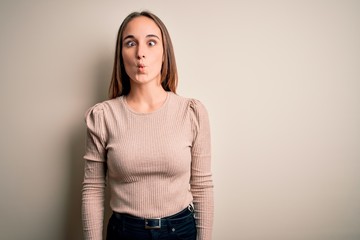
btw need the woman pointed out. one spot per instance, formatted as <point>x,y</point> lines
<point>151,144</point>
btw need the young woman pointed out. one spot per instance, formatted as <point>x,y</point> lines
<point>152,145</point>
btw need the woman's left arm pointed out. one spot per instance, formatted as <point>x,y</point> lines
<point>201,175</point>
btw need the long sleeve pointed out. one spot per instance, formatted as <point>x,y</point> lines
<point>201,176</point>
<point>94,175</point>
<point>148,159</point>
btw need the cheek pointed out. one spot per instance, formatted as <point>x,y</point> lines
<point>160,56</point>
<point>127,63</point>
<point>126,59</point>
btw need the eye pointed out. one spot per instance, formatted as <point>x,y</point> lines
<point>130,43</point>
<point>152,43</point>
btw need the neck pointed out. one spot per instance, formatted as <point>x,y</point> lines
<point>146,98</point>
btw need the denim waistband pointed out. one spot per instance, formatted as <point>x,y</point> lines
<point>155,223</point>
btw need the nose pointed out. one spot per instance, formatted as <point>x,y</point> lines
<point>140,56</point>
<point>140,52</point>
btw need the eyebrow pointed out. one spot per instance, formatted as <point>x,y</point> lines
<point>147,36</point>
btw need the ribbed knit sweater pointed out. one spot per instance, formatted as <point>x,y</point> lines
<point>156,163</point>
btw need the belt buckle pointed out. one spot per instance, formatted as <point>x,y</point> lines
<point>154,223</point>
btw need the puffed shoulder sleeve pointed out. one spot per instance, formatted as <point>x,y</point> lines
<point>93,191</point>
<point>201,175</point>
<point>96,134</point>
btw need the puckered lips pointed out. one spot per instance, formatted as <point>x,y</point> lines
<point>140,67</point>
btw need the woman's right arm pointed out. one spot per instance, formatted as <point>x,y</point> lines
<point>94,174</point>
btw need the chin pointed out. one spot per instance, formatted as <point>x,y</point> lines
<point>145,79</point>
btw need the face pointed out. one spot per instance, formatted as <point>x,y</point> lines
<point>142,50</point>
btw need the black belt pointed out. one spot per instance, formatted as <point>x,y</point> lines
<point>154,223</point>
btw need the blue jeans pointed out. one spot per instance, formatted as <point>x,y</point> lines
<point>180,226</point>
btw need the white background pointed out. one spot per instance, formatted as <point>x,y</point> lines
<point>280,79</point>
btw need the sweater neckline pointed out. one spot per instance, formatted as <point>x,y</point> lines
<point>129,109</point>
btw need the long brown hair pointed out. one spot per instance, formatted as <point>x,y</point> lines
<point>120,81</point>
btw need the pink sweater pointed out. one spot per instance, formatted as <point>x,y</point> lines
<point>156,163</point>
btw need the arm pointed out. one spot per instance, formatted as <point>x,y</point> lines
<point>201,176</point>
<point>94,175</point>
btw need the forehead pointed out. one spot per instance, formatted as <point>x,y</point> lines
<point>141,26</point>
